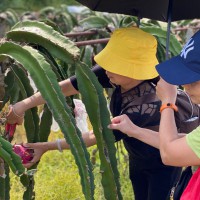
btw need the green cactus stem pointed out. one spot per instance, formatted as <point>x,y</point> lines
<point>46,81</point>
<point>39,33</point>
<point>96,106</point>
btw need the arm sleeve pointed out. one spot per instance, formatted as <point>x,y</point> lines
<point>100,74</point>
<point>193,141</point>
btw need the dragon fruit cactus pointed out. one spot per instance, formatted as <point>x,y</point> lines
<point>25,153</point>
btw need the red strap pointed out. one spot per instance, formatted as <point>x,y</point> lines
<point>191,192</point>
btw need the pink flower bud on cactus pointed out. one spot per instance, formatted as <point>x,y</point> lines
<point>25,153</point>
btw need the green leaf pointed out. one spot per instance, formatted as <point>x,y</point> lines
<point>96,106</point>
<point>45,80</point>
<point>31,120</point>
<point>174,46</point>
<point>93,22</point>
<point>44,35</point>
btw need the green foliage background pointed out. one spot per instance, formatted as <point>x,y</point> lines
<point>33,4</point>
<point>57,177</point>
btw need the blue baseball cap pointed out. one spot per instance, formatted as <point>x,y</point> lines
<point>184,68</point>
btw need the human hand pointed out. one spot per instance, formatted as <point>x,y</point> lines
<point>124,124</point>
<point>166,92</point>
<point>15,115</point>
<point>26,154</point>
<point>39,149</point>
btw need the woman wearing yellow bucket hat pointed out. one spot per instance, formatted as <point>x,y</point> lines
<point>128,64</point>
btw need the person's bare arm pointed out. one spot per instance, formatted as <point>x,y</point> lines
<point>174,150</point>
<point>125,125</point>
<point>16,113</point>
<point>42,147</point>
<point>173,146</point>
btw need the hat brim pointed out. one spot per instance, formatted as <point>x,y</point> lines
<point>175,72</point>
<point>129,68</point>
<point>130,52</point>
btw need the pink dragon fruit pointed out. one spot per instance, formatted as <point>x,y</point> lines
<point>10,130</point>
<point>25,153</point>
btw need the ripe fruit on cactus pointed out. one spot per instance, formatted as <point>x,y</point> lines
<point>10,130</point>
<point>25,153</point>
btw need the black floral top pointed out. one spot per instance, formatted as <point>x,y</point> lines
<point>146,115</point>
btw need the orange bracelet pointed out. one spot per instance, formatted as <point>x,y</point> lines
<point>169,105</point>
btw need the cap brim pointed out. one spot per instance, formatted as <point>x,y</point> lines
<point>175,72</point>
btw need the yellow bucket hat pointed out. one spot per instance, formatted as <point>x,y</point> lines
<point>130,52</point>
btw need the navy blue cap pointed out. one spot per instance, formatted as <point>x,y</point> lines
<point>184,68</point>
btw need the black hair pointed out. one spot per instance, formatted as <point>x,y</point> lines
<point>154,80</point>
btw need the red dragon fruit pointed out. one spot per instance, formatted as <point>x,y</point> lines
<point>25,153</point>
<point>10,130</point>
